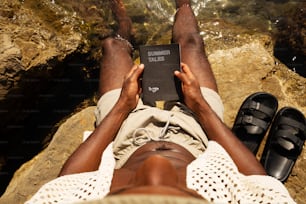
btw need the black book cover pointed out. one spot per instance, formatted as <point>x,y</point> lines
<point>159,84</point>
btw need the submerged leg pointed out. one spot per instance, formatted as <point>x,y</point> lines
<point>124,21</point>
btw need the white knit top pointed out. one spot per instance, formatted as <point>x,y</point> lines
<point>213,175</point>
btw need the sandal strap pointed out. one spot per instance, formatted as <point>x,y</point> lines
<point>293,123</point>
<point>260,107</point>
<point>251,120</point>
<point>288,140</point>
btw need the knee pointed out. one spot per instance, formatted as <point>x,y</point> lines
<point>193,41</point>
<point>109,43</point>
<point>112,44</point>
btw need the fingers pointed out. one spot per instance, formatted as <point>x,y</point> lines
<point>186,69</point>
<point>131,86</point>
<point>135,72</point>
<point>185,75</point>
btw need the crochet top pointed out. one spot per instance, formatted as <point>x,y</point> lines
<point>213,175</point>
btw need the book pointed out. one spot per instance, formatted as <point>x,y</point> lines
<point>159,84</point>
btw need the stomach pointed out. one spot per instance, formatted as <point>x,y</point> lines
<point>178,155</point>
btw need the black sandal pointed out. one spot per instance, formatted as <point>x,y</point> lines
<point>285,143</point>
<point>254,118</point>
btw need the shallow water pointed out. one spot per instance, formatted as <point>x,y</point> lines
<point>283,19</point>
<point>153,18</point>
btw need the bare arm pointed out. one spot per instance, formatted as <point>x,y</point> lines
<point>215,129</point>
<point>88,155</point>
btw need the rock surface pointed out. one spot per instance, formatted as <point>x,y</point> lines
<point>243,63</point>
<point>240,71</point>
<point>27,41</point>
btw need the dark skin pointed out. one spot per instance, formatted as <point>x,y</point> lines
<point>157,167</point>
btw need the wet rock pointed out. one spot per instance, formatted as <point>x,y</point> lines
<point>10,56</point>
<point>28,42</point>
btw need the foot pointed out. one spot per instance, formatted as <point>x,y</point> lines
<point>124,21</point>
<point>180,3</point>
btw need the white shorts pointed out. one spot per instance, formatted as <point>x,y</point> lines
<point>145,123</point>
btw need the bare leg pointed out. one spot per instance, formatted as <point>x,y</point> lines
<point>186,33</point>
<point>117,60</point>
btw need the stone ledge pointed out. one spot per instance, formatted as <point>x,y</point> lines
<point>239,71</point>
